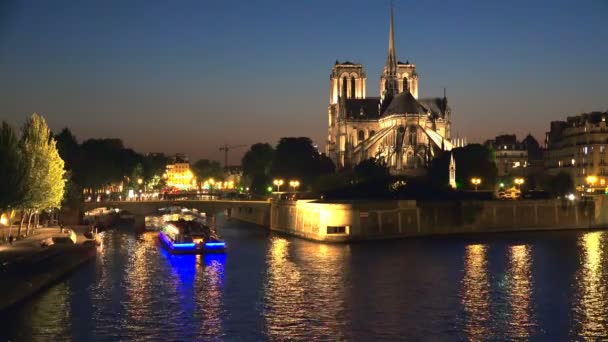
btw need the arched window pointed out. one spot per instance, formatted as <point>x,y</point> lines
<point>371,133</point>
<point>352,88</point>
<point>361,136</point>
<point>405,85</point>
<point>344,87</point>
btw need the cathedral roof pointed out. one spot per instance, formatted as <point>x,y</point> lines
<point>436,105</point>
<point>405,103</point>
<point>362,109</point>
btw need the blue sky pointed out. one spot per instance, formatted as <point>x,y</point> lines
<point>187,76</point>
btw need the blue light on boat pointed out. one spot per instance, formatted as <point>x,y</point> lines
<point>215,245</point>
<point>181,246</point>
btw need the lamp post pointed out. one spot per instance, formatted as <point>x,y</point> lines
<point>278,183</point>
<point>294,184</point>
<point>476,181</point>
<point>519,182</point>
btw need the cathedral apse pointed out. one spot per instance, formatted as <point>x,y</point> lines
<point>397,126</point>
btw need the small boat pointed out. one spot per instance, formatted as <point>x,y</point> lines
<point>190,237</point>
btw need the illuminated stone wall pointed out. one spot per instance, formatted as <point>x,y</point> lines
<point>337,222</point>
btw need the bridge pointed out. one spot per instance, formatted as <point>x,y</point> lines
<point>141,209</point>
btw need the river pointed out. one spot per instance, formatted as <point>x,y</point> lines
<point>530,286</point>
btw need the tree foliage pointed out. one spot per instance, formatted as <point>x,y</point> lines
<point>297,158</point>
<point>256,165</point>
<point>12,169</point>
<point>45,183</point>
<point>473,160</point>
<point>205,169</point>
<point>100,162</point>
<point>258,160</point>
<point>558,185</point>
<point>371,169</point>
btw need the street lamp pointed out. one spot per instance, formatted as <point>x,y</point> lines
<point>591,180</point>
<point>294,184</point>
<point>278,183</point>
<point>476,181</point>
<point>139,181</point>
<point>519,182</point>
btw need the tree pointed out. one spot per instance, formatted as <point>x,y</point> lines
<point>258,160</point>
<point>205,169</point>
<point>12,169</point>
<point>473,160</point>
<point>44,170</point>
<point>256,167</point>
<point>297,158</point>
<point>559,185</point>
<point>371,169</point>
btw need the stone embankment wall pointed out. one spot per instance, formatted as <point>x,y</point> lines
<point>368,220</point>
<point>38,271</point>
<point>256,215</point>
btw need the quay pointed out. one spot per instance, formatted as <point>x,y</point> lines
<point>373,220</point>
<point>27,268</point>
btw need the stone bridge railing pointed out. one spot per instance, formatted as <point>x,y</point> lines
<point>140,209</point>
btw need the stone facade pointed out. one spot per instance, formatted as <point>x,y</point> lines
<point>371,220</point>
<point>397,126</point>
<point>578,146</point>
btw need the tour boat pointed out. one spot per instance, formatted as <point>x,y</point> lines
<point>190,237</point>
<point>157,221</point>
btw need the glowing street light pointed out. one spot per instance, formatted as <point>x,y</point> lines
<point>278,183</point>
<point>140,181</point>
<point>294,184</point>
<point>476,181</point>
<point>519,182</point>
<point>591,180</point>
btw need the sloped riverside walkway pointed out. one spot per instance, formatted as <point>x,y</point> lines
<point>26,267</point>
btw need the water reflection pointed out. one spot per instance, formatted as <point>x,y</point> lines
<point>475,292</point>
<point>139,284</point>
<point>284,295</point>
<point>305,290</point>
<point>520,291</point>
<point>51,318</point>
<point>590,307</point>
<point>209,288</point>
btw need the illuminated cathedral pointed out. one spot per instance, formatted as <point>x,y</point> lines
<point>404,130</point>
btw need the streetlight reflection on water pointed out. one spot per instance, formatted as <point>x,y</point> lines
<point>520,291</point>
<point>591,298</point>
<point>475,292</point>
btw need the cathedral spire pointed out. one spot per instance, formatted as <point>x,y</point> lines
<point>391,87</point>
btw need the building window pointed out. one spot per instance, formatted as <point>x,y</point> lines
<point>405,85</point>
<point>352,88</point>
<point>336,230</point>
<point>344,87</point>
<point>585,150</point>
<point>361,136</point>
<point>602,148</point>
<point>371,133</point>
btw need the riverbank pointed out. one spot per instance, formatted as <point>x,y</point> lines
<point>375,220</point>
<point>26,267</point>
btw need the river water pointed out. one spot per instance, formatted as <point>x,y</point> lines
<point>522,286</point>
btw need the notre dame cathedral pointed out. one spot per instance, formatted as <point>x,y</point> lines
<point>398,126</point>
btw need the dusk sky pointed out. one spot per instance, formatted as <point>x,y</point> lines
<point>187,76</point>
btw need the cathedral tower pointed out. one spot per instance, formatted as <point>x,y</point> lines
<point>347,80</point>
